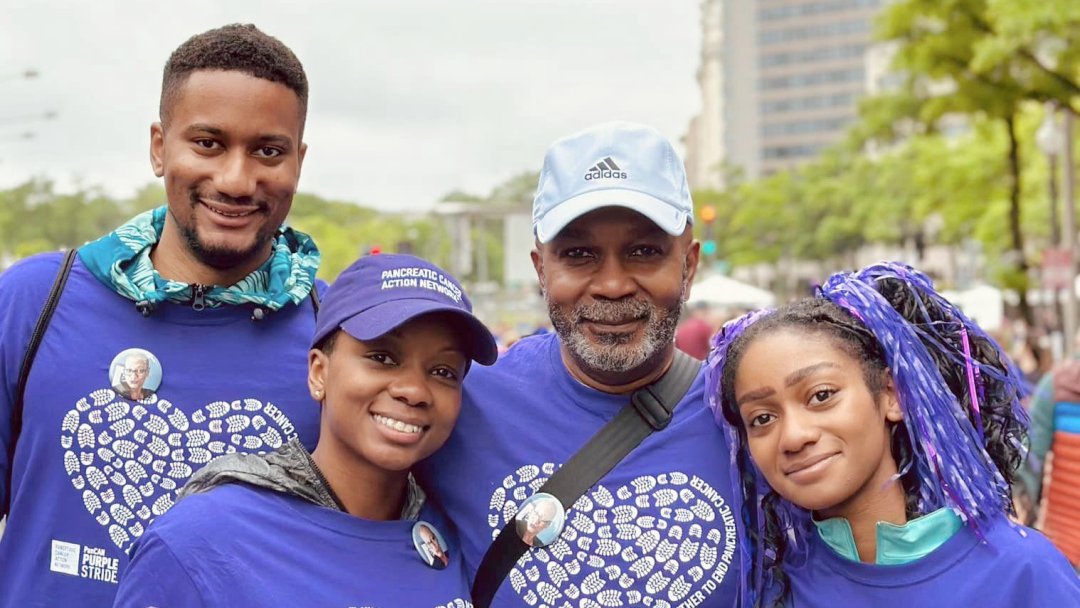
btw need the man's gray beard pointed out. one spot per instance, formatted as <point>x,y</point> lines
<point>615,353</point>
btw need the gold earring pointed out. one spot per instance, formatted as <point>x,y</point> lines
<point>318,393</point>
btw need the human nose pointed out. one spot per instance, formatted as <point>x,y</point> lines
<point>410,387</point>
<point>236,177</point>
<point>797,432</point>
<point>612,281</point>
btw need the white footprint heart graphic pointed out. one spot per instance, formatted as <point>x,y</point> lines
<point>128,459</point>
<point>655,541</point>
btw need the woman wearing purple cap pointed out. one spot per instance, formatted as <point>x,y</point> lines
<point>345,525</point>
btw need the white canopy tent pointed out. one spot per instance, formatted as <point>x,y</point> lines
<point>983,304</point>
<point>720,291</point>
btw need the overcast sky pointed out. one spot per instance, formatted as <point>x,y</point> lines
<point>410,99</point>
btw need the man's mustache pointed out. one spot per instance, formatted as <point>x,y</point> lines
<point>612,312</point>
<point>225,199</point>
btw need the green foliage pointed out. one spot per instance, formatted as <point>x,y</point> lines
<point>844,199</point>
<point>35,218</point>
<point>929,159</point>
<point>516,191</point>
<point>984,59</point>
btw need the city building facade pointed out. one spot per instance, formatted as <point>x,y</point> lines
<point>780,81</point>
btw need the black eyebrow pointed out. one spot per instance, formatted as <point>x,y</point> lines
<point>801,374</point>
<point>793,378</point>
<point>760,393</point>
<point>202,128</point>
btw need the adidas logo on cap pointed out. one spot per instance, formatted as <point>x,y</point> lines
<point>605,169</point>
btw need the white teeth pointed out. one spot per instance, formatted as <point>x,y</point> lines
<point>397,425</point>
<point>219,212</point>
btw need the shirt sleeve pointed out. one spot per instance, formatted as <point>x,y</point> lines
<point>23,290</point>
<point>156,578</point>
<point>1046,578</point>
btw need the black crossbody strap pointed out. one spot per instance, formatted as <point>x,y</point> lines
<point>28,360</point>
<point>649,410</point>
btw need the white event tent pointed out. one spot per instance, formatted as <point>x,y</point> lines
<point>721,291</point>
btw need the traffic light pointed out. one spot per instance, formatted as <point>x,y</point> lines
<point>708,243</point>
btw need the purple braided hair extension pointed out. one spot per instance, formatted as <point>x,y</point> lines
<point>714,363</point>
<point>714,370</point>
<point>950,462</point>
<point>940,334</point>
<point>795,521</point>
<point>972,382</point>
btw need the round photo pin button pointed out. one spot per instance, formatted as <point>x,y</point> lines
<point>135,374</point>
<point>430,545</point>
<point>540,520</point>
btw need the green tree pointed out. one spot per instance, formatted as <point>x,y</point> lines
<point>344,231</point>
<point>149,196</point>
<point>35,217</point>
<point>984,59</point>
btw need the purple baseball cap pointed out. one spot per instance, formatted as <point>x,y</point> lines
<point>378,293</point>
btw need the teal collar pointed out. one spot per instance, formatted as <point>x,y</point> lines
<point>895,544</point>
<point>121,260</point>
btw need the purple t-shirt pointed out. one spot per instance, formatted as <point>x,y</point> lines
<point>92,468</point>
<point>1007,571</point>
<point>237,545</point>
<point>658,530</point>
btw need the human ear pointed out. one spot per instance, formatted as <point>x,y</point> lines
<point>301,153</point>
<point>693,255</point>
<point>891,401</point>
<point>538,265</point>
<point>317,365</point>
<point>157,148</point>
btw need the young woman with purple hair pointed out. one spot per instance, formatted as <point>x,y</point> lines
<point>875,431</point>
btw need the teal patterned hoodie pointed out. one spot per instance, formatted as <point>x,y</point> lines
<point>121,260</point>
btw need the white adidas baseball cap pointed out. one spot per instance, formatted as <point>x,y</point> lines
<point>613,164</point>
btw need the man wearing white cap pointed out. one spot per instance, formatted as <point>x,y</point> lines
<point>615,257</point>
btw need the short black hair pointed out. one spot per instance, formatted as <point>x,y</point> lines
<point>326,345</point>
<point>235,47</point>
